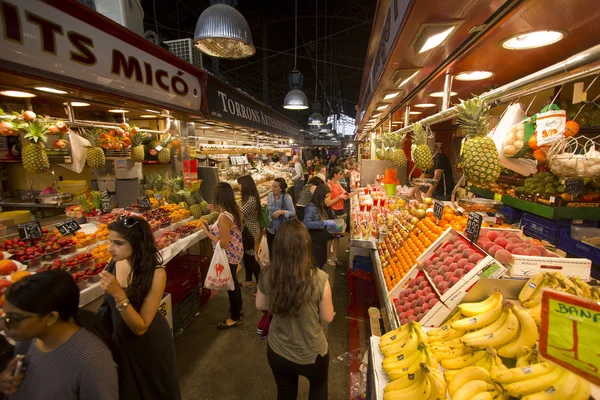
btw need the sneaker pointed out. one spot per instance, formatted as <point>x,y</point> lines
<point>338,262</point>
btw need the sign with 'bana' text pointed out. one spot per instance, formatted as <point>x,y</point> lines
<point>37,36</point>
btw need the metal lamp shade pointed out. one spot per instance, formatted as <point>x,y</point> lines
<point>316,119</point>
<point>221,31</point>
<point>295,100</point>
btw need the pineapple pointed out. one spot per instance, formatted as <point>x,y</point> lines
<point>164,155</point>
<point>398,156</point>
<point>34,157</point>
<point>388,151</point>
<point>378,149</point>
<point>421,153</point>
<point>480,160</point>
<point>137,148</point>
<point>95,154</point>
<point>211,218</point>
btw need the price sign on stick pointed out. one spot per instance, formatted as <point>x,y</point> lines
<point>438,209</point>
<point>144,202</point>
<point>574,186</point>
<point>569,333</point>
<point>473,225</point>
<point>67,227</point>
<point>30,230</point>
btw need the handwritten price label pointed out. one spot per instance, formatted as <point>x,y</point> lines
<point>569,333</point>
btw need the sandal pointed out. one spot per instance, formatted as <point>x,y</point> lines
<point>338,262</point>
<point>225,325</point>
<point>331,263</point>
<point>247,284</point>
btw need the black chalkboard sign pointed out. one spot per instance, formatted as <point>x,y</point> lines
<point>574,186</point>
<point>144,202</point>
<point>473,226</point>
<point>67,227</point>
<point>438,209</point>
<point>30,230</point>
<point>105,195</point>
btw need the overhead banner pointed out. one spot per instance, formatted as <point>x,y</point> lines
<point>229,105</point>
<point>68,42</point>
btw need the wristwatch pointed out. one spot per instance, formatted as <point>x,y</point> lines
<point>121,307</point>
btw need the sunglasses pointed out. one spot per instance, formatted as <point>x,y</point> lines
<point>127,221</point>
<point>10,320</point>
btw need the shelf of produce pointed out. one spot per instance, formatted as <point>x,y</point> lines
<point>94,291</point>
<point>488,194</point>
<point>388,312</point>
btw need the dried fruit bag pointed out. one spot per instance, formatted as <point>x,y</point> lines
<point>515,142</point>
<point>550,125</point>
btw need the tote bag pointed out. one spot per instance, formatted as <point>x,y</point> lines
<point>262,255</point>
<point>219,274</point>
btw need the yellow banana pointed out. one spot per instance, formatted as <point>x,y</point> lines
<point>499,336</point>
<point>487,329</point>
<point>468,374</point>
<point>479,321</point>
<point>585,288</point>
<point>416,390</point>
<point>449,334</point>
<point>438,385</point>
<point>446,344</point>
<point>464,361</point>
<point>403,382</point>
<point>397,373</point>
<point>394,336</point>
<point>484,363</point>
<point>473,309</point>
<point>519,374</point>
<point>450,374</point>
<point>497,366</point>
<point>530,286</point>
<point>456,351</point>
<point>483,396</point>
<point>405,346</point>
<point>440,331</point>
<point>563,388</point>
<point>534,385</point>
<point>583,391</point>
<point>404,359</point>
<point>527,356</point>
<point>527,336</point>
<point>472,388</point>
<point>536,313</point>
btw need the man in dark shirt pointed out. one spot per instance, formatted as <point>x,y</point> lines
<point>442,173</point>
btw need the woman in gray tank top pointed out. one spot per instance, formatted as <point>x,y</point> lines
<point>299,297</point>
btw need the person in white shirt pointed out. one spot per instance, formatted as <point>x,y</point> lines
<point>297,177</point>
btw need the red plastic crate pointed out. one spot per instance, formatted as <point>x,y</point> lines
<point>184,275</point>
<point>363,290</point>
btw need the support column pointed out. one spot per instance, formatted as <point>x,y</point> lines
<point>447,91</point>
<point>406,116</point>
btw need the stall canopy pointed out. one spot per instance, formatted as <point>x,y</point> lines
<point>74,46</point>
<point>229,105</point>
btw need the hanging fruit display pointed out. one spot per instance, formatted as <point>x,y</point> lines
<point>421,153</point>
<point>137,150</point>
<point>35,159</point>
<point>164,154</point>
<point>398,155</point>
<point>95,154</point>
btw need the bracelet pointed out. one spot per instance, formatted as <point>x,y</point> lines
<point>124,298</point>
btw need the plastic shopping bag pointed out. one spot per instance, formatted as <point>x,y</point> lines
<point>219,274</point>
<point>78,152</point>
<point>262,255</point>
<point>508,129</point>
<point>550,126</point>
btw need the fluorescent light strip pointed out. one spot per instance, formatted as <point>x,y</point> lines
<point>473,75</point>
<point>17,93</point>
<point>50,90</point>
<point>441,94</point>
<point>118,111</point>
<point>390,95</point>
<point>436,40</point>
<point>404,82</point>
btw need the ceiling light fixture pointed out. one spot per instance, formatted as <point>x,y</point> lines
<point>78,104</point>
<point>316,119</point>
<point>50,90</point>
<point>473,75</point>
<point>16,93</point>
<point>148,116</point>
<point>374,116</point>
<point>441,94</point>
<point>425,105</point>
<point>415,112</point>
<point>382,107</point>
<point>430,36</point>
<point>390,95</point>
<point>531,40</point>
<point>119,111</point>
<point>295,99</point>
<point>222,31</point>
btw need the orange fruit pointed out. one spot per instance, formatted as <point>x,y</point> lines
<point>17,276</point>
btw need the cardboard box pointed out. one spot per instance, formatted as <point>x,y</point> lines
<point>166,309</point>
<point>526,266</point>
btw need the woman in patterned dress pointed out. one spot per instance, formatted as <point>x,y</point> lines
<point>227,232</point>
<point>251,227</point>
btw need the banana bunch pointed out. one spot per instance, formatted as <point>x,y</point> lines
<point>403,340</point>
<point>487,359</point>
<point>446,332</point>
<point>474,382</point>
<point>425,383</point>
<point>531,294</point>
<point>542,381</point>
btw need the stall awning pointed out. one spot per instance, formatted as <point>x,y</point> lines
<point>69,43</point>
<point>232,106</point>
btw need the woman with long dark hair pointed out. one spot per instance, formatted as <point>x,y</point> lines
<point>250,227</point>
<point>317,218</point>
<point>299,298</point>
<point>336,201</point>
<point>61,358</point>
<point>306,194</point>
<point>134,283</point>
<point>280,207</point>
<point>227,232</point>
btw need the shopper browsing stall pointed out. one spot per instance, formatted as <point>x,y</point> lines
<point>227,232</point>
<point>279,207</point>
<point>134,283</point>
<point>297,176</point>
<point>335,200</point>
<point>250,227</point>
<point>299,298</point>
<point>61,358</point>
<point>317,218</point>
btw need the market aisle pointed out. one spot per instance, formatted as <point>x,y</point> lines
<point>232,364</point>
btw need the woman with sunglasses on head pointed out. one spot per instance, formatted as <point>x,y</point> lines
<point>299,298</point>
<point>317,218</point>
<point>134,283</point>
<point>63,356</point>
<point>227,232</point>
<point>279,207</point>
<point>251,227</point>
<point>336,201</point>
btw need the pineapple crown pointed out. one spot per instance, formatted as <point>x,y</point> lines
<point>93,135</point>
<point>419,134</point>
<point>138,139</point>
<point>378,142</point>
<point>399,139</point>
<point>473,116</point>
<point>166,141</point>
<point>388,140</point>
<point>36,131</point>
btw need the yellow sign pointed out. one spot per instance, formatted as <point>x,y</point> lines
<point>497,197</point>
<point>569,333</point>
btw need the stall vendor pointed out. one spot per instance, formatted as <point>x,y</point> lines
<point>442,174</point>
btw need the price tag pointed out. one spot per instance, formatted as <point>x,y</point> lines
<point>574,186</point>
<point>497,196</point>
<point>105,195</point>
<point>105,206</point>
<point>158,148</point>
<point>144,202</point>
<point>67,227</point>
<point>438,209</point>
<point>474,225</point>
<point>30,230</point>
<point>569,333</point>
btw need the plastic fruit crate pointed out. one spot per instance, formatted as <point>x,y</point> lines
<point>184,275</point>
<point>511,215</point>
<point>543,228</point>
<point>569,242</point>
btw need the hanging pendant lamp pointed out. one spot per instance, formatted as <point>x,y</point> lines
<point>316,119</point>
<point>222,31</point>
<point>295,99</point>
